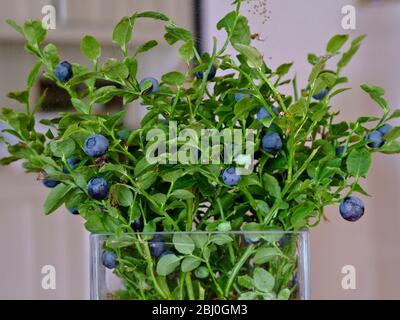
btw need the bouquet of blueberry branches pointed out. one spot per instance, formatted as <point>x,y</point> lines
<point>301,158</point>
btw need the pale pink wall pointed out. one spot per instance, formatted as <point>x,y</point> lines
<point>294,29</point>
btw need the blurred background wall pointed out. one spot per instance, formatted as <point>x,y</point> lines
<point>293,28</point>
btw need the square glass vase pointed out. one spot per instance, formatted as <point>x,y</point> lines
<point>242,265</point>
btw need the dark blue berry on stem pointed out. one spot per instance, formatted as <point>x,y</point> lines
<point>96,145</point>
<point>50,183</point>
<point>385,129</point>
<point>351,208</point>
<point>109,259</point>
<point>211,74</point>
<point>272,142</point>
<point>157,245</point>
<point>98,188</point>
<point>74,211</point>
<point>231,177</point>
<point>321,95</point>
<point>263,113</point>
<point>340,150</point>
<point>375,139</point>
<point>239,96</point>
<point>137,225</point>
<point>63,72</point>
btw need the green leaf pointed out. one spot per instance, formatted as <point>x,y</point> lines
<point>63,148</point>
<point>248,296</point>
<point>264,255</point>
<point>241,34</point>
<point>175,34</point>
<point>34,32</point>
<point>254,58</point>
<point>283,69</point>
<point>395,114</point>
<point>172,176</point>
<point>51,55</point>
<point>56,197</point>
<point>393,134</point>
<point>227,22</point>
<point>79,105</point>
<point>376,94</point>
<point>33,75</point>
<point>263,280</point>
<point>147,179</point>
<point>146,46</point>
<point>358,162</point>
<point>174,78</point>
<point>152,15</point>
<point>201,272</point>
<point>200,240</point>
<point>392,147</point>
<point>243,108</point>
<point>122,194</point>
<point>186,51</point>
<point>122,33</point>
<point>284,294</point>
<point>189,264</point>
<point>300,216</point>
<point>15,26</point>
<point>246,282</point>
<point>183,243</point>
<point>167,264</point>
<point>348,55</point>
<point>115,69</point>
<point>224,226</point>
<point>336,43</point>
<point>271,185</point>
<point>20,96</point>
<point>221,239</point>
<point>182,194</point>
<point>90,48</point>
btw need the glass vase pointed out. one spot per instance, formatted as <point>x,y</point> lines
<point>245,265</point>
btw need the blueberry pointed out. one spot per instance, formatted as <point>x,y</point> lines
<point>263,113</point>
<point>63,71</point>
<point>231,177</point>
<point>248,240</point>
<point>109,259</point>
<point>284,240</point>
<point>74,211</point>
<point>340,150</point>
<point>375,139</point>
<point>96,145</point>
<point>72,162</point>
<point>137,225</point>
<point>211,74</point>
<point>157,245</point>
<point>351,208</point>
<point>239,96</point>
<point>50,183</point>
<point>385,129</point>
<point>98,188</point>
<point>272,142</point>
<point>154,85</point>
<point>321,95</point>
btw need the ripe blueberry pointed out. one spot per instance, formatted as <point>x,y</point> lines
<point>375,139</point>
<point>239,96</point>
<point>49,183</point>
<point>321,95</point>
<point>385,129</point>
<point>272,142</point>
<point>351,208</point>
<point>231,177</point>
<point>211,74</point>
<point>157,245</point>
<point>98,188</point>
<point>96,145</point>
<point>63,71</point>
<point>340,150</point>
<point>74,211</point>
<point>137,225</point>
<point>109,259</point>
<point>154,85</point>
<point>72,162</point>
<point>263,113</point>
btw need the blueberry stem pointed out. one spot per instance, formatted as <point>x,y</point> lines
<point>189,286</point>
<point>249,251</point>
